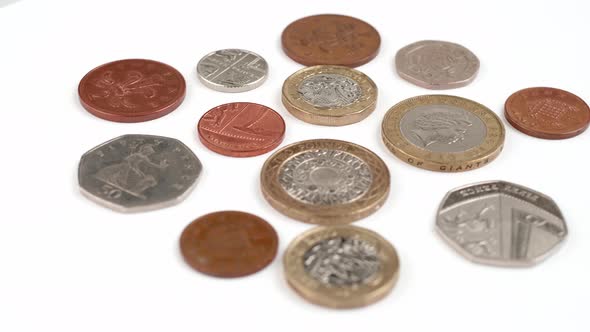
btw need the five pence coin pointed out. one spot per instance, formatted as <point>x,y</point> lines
<point>132,90</point>
<point>547,113</point>
<point>341,266</point>
<point>443,133</point>
<point>229,244</point>
<point>329,95</point>
<point>232,70</point>
<point>325,181</point>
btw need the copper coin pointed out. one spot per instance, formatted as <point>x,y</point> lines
<point>229,244</point>
<point>241,129</point>
<point>547,113</point>
<point>132,90</point>
<point>331,40</point>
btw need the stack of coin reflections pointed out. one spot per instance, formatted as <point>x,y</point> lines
<point>326,182</point>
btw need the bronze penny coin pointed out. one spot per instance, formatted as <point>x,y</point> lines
<point>229,244</point>
<point>241,129</point>
<point>547,113</point>
<point>132,90</point>
<point>331,40</point>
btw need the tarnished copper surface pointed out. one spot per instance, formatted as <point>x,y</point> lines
<point>241,129</point>
<point>547,113</point>
<point>331,40</point>
<point>132,90</point>
<point>229,244</point>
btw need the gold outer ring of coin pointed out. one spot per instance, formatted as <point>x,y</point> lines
<point>326,116</point>
<point>339,214</point>
<point>437,161</point>
<point>338,297</point>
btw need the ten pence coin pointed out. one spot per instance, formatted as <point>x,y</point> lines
<point>229,244</point>
<point>547,113</point>
<point>241,129</point>
<point>331,40</point>
<point>132,90</point>
<point>329,95</point>
<point>325,181</point>
<point>434,64</point>
<point>341,266</point>
<point>443,133</point>
<point>232,70</point>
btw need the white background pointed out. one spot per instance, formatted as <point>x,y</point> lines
<point>67,264</point>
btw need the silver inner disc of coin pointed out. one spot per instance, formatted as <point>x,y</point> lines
<point>443,128</point>
<point>325,177</point>
<point>232,70</point>
<point>342,261</point>
<point>330,90</point>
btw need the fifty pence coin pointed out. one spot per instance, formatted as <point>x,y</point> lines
<point>325,181</point>
<point>501,223</point>
<point>329,95</point>
<point>232,70</point>
<point>547,113</point>
<point>443,133</point>
<point>133,173</point>
<point>229,244</point>
<point>132,90</point>
<point>434,64</point>
<point>331,40</point>
<point>341,266</point>
<point>241,129</point>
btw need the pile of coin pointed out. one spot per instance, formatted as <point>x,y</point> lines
<point>326,182</point>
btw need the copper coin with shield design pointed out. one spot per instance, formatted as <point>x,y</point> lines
<point>132,90</point>
<point>341,266</point>
<point>547,113</point>
<point>229,244</point>
<point>501,223</point>
<point>331,40</point>
<point>325,181</point>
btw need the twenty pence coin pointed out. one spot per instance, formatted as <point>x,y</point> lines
<point>325,181</point>
<point>229,244</point>
<point>329,95</point>
<point>132,90</point>
<point>241,129</point>
<point>341,266</point>
<point>547,113</point>
<point>443,133</point>
<point>331,40</point>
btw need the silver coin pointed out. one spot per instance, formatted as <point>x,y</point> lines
<point>501,223</point>
<point>437,65</point>
<point>232,70</point>
<point>133,173</point>
<point>443,128</point>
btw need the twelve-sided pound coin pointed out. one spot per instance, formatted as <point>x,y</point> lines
<point>329,95</point>
<point>232,70</point>
<point>325,181</point>
<point>134,173</point>
<point>443,133</point>
<point>501,223</point>
<point>341,266</point>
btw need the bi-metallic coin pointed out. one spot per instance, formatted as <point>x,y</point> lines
<point>341,266</point>
<point>329,95</point>
<point>133,173</point>
<point>443,133</point>
<point>501,223</point>
<point>325,181</point>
